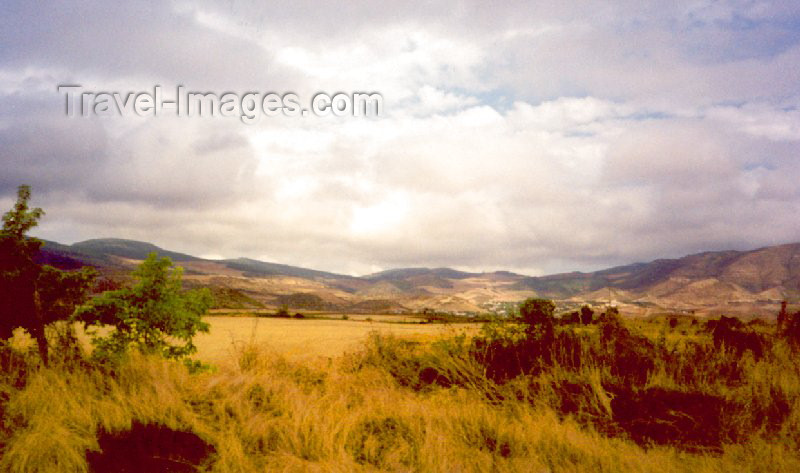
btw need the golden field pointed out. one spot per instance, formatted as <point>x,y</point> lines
<point>309,338</point>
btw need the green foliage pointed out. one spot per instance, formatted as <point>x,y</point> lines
<point>536,312</point>
<point>60,292</point>
<point>154,315</point>
<point>21,219</point>
<point>502,332</point>
<point>31,295</point>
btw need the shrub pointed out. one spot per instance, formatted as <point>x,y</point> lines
<point>149,316</point>
<point>730,332</point>
<point>792,329</point>
<point>537,313</point>
<point>630,357</point>
<point>571,318</point>
<point>587,314</point>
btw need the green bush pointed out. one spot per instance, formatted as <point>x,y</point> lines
<point>154,315</point>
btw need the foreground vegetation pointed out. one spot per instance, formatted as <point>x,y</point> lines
<point>399,405</point>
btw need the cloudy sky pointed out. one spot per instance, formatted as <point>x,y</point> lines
<point>536,138</point>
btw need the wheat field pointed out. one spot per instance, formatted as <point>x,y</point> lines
<point>307,339</point>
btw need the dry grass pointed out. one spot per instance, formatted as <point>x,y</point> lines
<point>261,411</point>
<point>307,339</point>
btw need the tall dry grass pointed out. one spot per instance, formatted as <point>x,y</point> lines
<point>395,405</point>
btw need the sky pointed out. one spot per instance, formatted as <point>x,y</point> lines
<point>536,137</point>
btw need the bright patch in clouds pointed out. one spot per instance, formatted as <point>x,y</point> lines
<point>380,219</point>
<point>535,139</point>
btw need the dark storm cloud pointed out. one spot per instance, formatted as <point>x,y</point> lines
<point>134,41</point>
<point>49,156</point>
<point>38,147</point>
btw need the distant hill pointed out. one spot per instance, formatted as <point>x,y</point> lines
<point>125,248</point>
<point>755,271</point>
<point>709,282</point>
<point>64,257</point>
<point>259,268</point>
<point>405,273</point>
<point>101,252</point>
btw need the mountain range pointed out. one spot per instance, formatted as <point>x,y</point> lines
<point>734,282</point>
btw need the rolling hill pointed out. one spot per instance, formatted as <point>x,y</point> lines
<point>741,282</point>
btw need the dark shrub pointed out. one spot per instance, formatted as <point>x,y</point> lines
<point>792,329</point>
<point>730,332</point>
<point>630,356</point>
<point>663,416</point>
<point>536,311</point>
<point>571,319</point>
<point>783,319</point>
<point>586,315</point>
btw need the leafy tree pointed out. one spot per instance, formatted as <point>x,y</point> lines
<point>586,315</point>
<point>154,315</point>
<point>58,294</point>
<point>18,271</point>
<point>32,295</point>
<point>538,314</point>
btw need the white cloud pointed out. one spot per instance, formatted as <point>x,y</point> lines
<point>762,120</point>
<point>533,138</point>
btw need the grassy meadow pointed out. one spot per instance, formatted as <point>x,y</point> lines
<point>350,396</point>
